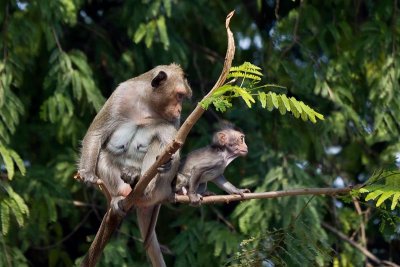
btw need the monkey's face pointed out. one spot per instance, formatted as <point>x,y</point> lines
<point>237,144</point>
<point>170,88</point>
<point>233,141</point>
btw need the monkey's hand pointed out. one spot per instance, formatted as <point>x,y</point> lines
<point>117,207</point>
<point>88,176</point>
<point>195,199</point>
<point>130,175</point>
<point>166,166</point>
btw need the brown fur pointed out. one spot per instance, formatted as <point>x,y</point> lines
<point>134,125</point>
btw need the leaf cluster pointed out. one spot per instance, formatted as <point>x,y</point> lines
<point>381,186</point>
<point>249,75</point>
<point>11,206</point>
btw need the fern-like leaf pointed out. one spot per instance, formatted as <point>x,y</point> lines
<point>222,96</point>
<point>382,186</point>
<point>5,217</point>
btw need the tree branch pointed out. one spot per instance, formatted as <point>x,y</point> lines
<point>263,195</point>
<point>363,250</point>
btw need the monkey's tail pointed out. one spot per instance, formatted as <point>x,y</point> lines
<point>152,226</point>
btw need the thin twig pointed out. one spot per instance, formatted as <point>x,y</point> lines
<point>363,250</point>
<point>56,39</point>
<point>76,228</point>
<point>222,218</point>
<point>277,9</point>
<point>295,31</point>
<point>362,224</point>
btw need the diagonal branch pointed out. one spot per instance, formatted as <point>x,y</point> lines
<point>362,249</point>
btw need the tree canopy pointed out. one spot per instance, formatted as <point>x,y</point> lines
<point>61,59</point>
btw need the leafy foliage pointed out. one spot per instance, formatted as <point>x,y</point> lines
<point>11,206</point>
<point>250,75</point>
<point>285,247</point>
<point>382,186</point>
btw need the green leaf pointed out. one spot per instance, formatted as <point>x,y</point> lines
<point>373,195</point>
<point>162,30</point>
<point>383,197</point>
<point>270,105</point>
<point>274,99</point>
<point>363,190</point>
<point>5,217</point>
<point>18,161</point>
<point>285,101</point>
<point>263,99</point>
<point>140,33</point>
<point>395,200</point>
<point>282,108</point>
<point>168,7</point>
<point>246,97</point>
<point>150,31</point>
<point>8,162</point>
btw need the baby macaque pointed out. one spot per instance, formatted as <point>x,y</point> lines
<point>209,163</point>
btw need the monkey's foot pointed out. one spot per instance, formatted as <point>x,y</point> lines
<point>242,191</point>
<point>195,199</point>
<point>88,177</point>
<point>116,206</point>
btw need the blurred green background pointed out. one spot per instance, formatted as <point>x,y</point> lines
<point>60,60</point>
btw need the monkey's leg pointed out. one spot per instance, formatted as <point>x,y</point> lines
<point>147,219</point>
<point>225,185</point>
<point>202,190</point>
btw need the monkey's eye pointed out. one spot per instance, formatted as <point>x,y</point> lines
<point>180,96</point>
<point>185,76</point>
<point>242,139</point>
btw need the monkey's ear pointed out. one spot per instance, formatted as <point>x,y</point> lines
<point>161,76</point>
<point>221,138</point>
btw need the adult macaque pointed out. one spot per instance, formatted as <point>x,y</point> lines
<point>135,124</point>
<point>209,163</point>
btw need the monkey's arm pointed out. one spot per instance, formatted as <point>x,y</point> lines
<point>91,146</point>
<point>99,131</point>
<point>225,185</point>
